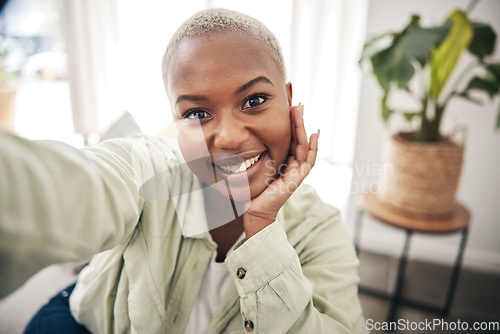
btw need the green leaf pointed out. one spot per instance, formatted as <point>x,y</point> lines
<point>445,57</point>
<point>483,41</point>
<point>466,96</point>
<point>498,119</point>
<point>414,21</point>
<point>386,111</point>
<point>490,83</point>
<point>485,84</point>
<point>391,65</point>
<point>410,115</point>
<point>494,71</point>
<point>420,41</point>
<point>375,45</point>
<point>392,54</point>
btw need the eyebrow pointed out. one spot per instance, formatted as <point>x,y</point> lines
<point>239,90</point>
<point>190,98</point>
<point>253,82</point>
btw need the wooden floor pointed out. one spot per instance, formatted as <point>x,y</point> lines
<point>477,298</point>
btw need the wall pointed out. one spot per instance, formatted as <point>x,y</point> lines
<point>479,187</point>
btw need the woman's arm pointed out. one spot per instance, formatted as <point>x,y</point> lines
<point>58,203</point>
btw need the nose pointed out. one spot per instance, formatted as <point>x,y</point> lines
<point>230,132</point>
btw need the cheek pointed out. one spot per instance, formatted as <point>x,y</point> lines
<point>278,135</point>
<point>191,141</point>
<point>195,151</point>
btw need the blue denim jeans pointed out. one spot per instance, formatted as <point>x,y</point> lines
<point>55,316</point>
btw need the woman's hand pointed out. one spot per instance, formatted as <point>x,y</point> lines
<point>264,208</point>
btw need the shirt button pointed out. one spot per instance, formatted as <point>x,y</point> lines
<point>249,325</point>
<point>241,273</point>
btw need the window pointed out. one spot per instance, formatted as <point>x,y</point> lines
<point>34,50</point>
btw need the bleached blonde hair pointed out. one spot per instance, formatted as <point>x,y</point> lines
<point>220,19</point>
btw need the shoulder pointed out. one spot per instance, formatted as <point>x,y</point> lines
<point>314,227</point>
<point>138,145</point>
<point>306,205</point>
<point>147,156</point>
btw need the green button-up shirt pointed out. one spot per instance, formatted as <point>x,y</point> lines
<point>62,204</point>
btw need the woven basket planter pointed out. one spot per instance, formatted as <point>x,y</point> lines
<point>424,177</point>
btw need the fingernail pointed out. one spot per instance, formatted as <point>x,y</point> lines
<point>301,109</point>
<point>318,132</point>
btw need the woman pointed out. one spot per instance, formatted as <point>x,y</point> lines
<point>229,244</point>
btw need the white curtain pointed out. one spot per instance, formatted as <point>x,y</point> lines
<point>327,37</point>
<point>90,33</point>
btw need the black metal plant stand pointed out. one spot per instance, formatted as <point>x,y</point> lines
<point>459,222</point>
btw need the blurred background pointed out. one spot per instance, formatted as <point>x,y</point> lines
<point>71,70</point>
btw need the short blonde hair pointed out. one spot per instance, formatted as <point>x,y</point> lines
<point>220,19</point>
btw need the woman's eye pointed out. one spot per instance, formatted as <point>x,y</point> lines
<point>196,114</point>
<point>254,101</point>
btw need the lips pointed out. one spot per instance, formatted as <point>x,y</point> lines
<point>243,166</point>
<point>235,164</point>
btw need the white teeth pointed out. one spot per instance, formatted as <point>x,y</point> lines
<point>241,167</point>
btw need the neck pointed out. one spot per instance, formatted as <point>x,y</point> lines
<point>227,234</point>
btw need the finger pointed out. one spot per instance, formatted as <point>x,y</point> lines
<point>301,135</point>
<point>298,171</point>
<point>291,164</point>
<point>292,179</point>
<point>313,149</point>
<point>292,172</point>
<point>293,144</point>
<point>312,154</point>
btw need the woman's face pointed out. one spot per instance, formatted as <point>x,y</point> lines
<point>231,106</point>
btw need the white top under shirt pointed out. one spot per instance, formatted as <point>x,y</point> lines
<point>214,285</point>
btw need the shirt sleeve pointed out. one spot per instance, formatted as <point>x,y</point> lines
<point>58,203</point>
<point>279,294</point>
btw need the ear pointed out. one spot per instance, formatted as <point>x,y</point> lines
<point>289,92</point>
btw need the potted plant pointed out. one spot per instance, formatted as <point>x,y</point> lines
<point>420,61</point>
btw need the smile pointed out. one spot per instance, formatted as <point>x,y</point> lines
<point>234,167</point>
<point>240,167</point>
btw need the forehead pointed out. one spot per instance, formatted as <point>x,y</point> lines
<point>199,62</point>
